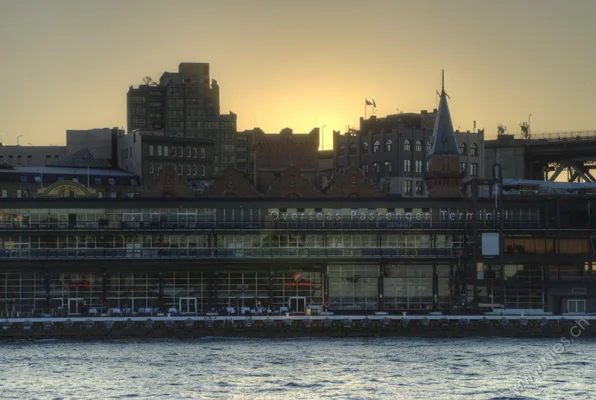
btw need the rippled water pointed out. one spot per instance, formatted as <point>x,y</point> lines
<point>216,368</point>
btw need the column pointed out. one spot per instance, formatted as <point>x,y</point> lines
<point>326,288</point>
<point>160,291</point>
<point>104,291</point>
<point>380,288</point>
<point>435,286</point>
<point>46,282</point>
<point>270,288</point>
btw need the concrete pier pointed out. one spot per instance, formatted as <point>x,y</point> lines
<point>571,326</point>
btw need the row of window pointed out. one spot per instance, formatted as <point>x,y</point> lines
<point>191,152</point>
<point>25,193</point>
<point>388,167</point>
<point>407,147</point>
<point>10,159</point>
<point>190,169</point>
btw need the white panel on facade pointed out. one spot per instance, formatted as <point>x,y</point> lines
<point>490,244</point>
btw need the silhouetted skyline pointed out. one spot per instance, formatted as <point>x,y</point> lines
<point>68,65</point>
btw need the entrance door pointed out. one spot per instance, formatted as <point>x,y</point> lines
<point>298,304</point>
<point>188,305</point>
<point>75,306</point>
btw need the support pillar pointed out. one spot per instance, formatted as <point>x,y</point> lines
<point>46,282</point>
<point>160,291</point>
<point>326,306</point>
<point>435,286</point>
<point>381,288</point>
<point>104,292</point>
<point>270,288</point>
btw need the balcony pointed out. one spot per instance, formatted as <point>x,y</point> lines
<point>226,253</point>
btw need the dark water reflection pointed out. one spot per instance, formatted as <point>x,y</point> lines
<point>216,368</point>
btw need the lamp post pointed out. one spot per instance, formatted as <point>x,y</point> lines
<point>529,123</point>
<point>18,137</point>
<point>323,136</point>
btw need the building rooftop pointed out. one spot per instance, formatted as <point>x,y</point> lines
<point>81,159</point>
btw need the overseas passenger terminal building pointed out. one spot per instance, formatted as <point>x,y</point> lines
<point>348,249</point>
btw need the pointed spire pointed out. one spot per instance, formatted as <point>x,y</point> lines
<point>443,141</point>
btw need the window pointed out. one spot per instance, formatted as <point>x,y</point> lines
<point>353,149</point>
<point>408,188</point>
<point>376,167</point>
<point>25,193</point>
<point>407,165</point>
<point>364,168</point>
<point>428,146</point>
<point>194,152</point>
<point>111,181</point>
<point>24,179</point>
<point>463,167</point>
<point>159,167</point>
<point>340,150</point>
<point>419,188</point>
<point>418,165</point>
<point>388,144</point>
<point>151,169</point>
<point>98,181</point>
<point>474,169</point>
<point>364,147</point>
<point>165,151</point>
<point>388,166</point>
<point>418,145</point>
<point>202,170</point>
<point>407,145</point>
<point>20,160</point>
<point>180,169</point>
<point>188,170</point>
<point>4,193</point>
<point>150,150</point>
<point>202,152</point>
<point>341,170</point>
<point>576,306</point>
<point>173,151</point>
<point>188,154</point>
<point>474,149</point>
<point>180,153</point>
<point>376,146</point>
<point>462,148</point>
<point>194,170</point>
<point>159,150</point>
<point>19,193</point>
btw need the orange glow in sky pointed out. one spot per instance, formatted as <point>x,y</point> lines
<point>304,64</point>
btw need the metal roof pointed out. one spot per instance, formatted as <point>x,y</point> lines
<point>81,159</point>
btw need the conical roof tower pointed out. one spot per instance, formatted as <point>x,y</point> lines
<point>443,178</point>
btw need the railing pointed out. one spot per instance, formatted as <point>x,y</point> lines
<point>221,253</point>
<point>564,136</point>
<point>256,225</point>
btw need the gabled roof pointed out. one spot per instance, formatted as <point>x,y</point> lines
<point>291,183</point>
<point>353,183</point>
<point>231,183</point>
<point>81,159</point>
<point>443,139</point>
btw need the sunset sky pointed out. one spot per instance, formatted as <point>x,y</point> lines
<point>300,64</point>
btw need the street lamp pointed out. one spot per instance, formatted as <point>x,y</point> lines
<point>529,122</point>
<point>323,136</point>
<point>18,137</point>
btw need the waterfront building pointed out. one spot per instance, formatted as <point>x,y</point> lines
<point>473,245</point>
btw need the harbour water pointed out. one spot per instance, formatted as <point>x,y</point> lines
<point>216,368</point>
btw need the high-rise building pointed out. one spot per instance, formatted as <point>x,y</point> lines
<point>185,104</point>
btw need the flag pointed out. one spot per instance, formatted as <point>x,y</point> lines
<point>368,103</point>
<point>374,104</point>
